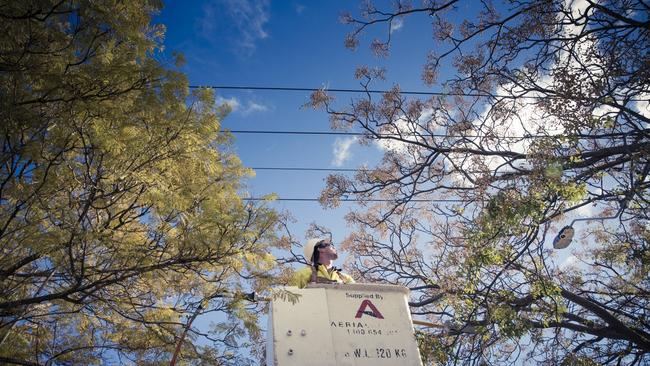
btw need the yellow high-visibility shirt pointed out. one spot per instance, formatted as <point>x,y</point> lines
<point>302,277</point>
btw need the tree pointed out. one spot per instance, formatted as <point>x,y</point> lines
<point>120,208</point>
<point>543,120</point>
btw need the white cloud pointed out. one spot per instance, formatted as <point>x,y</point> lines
<point>245,22</point>
<point>408,130</point>
<point>642,105</point>
<point>399,126</point>
<point>232,102</point>
<point>398,23</point>
<point>243,108</point>
<point>569,262</point>
<point>578,7</point>
<point>585,211</point>
<point>342,150</point>
<point>526,117</point>
<point>252,107</point>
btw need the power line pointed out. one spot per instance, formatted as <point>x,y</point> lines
<point>345,170</point>
<point>339,90</point>
<point>335,133</point>
<point>354,200</point>
<point>381,91</point>
<point>306,169</point>
<point>411,134</point>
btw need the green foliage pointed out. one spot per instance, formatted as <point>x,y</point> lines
<point>542,124</point>
<point>574,360</point>
<point>509,322</point>
<point>432,349</point>
<point>119,195</point>
<point>285,295</point>
<point>507,214</point>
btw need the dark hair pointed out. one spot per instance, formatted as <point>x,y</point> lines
<point>315,255</point>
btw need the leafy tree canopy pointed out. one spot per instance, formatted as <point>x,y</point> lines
<point>120,212</point>
<point>544,119</point>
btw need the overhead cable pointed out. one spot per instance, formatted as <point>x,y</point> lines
<point>351,170</point>
<point>306,169</point>
<point>411,134</point>
<point>337,90</point>
<point>406,92</point>
<point>338,133</point>
<point>355,200</point>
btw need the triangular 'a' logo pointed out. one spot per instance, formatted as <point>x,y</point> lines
<point>373,312</point>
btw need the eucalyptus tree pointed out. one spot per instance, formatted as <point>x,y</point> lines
<point>537,125</point>
<point>120,208</point>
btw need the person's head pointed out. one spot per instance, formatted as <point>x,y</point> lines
<point>320,250</point>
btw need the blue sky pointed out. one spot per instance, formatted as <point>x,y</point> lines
<point>300,44</point>
<point>288,44</point>
<point>292,44</point>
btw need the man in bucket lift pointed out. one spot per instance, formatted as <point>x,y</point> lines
<point>320,253</point>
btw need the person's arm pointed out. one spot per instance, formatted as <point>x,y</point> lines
<point>346,278</point>
<point>301,277</point>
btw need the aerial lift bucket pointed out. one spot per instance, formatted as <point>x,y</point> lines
<point>342,325</point>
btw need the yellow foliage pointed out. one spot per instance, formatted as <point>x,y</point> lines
<point>122,187</point>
